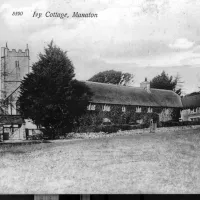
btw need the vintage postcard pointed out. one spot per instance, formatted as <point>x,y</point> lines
<point>99,97</point>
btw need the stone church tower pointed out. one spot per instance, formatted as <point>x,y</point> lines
<point>14,66</point>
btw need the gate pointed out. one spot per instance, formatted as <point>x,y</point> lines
<point>153,126</point>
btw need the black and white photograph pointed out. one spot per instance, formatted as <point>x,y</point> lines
<point>99,97</point>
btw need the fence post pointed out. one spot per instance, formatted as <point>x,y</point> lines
<point>153,126</point>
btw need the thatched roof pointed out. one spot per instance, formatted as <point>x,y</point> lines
<point>126,95</point>
<point>191,101</point>
<point>11,119</point>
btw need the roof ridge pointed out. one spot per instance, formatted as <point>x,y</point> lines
<point>126,86</point>
<point>115,85</point>
<point>161,89</point>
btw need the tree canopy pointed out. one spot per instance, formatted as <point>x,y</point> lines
<point>113,77</point>
<point>193,94</point>
<point>164,81</point>
<point>50,96</point>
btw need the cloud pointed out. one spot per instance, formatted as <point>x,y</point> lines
<point>181,43</point>
<point>155,33</point>
<point>4,8</point>
<point>192,61</point>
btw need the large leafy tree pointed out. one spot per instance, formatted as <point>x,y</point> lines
<point>50,96</point>
<point>164,81</point>
<point>113,77</point>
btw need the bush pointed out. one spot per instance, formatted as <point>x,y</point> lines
<point>169,123</point>
<point>35,137</point>
<point>110,128</point>
<point>107,123</point>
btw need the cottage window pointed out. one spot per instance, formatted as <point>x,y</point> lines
<point>123,109</point>
<point>138,109</point>
<point>150,110</point>
<point>106,108</point>
<point>193,119</point>
<point>91,107</point>
<point>193,110</point>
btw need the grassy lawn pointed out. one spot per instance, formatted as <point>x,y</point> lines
<point>148,163</point>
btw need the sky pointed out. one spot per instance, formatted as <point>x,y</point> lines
<point>142,37</point>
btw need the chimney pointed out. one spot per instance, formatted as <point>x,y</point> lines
<point>145,85</point>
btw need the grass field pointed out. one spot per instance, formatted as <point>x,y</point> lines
<point>148,163</point>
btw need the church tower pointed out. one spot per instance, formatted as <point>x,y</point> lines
<point>14,66</point>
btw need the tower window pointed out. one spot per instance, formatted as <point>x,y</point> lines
<point>17,69</point>
<point>17,64</point>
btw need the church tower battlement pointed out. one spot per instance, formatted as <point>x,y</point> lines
<point>14,66</point>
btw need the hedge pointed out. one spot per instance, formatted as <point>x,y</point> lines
<point>110,128</point>
<point>174,123</point>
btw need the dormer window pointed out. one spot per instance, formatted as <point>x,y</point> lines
<point>91,107</point>
<point>106,108</point>
<point>123,109</point>
<point>138,109</point>
<point>150,110</point>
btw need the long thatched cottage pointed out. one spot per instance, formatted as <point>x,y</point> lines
<point>129,105</point>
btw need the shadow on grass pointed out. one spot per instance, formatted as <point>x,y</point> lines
<point>17,148</point>
<point>15,152</point>
<point>27,142</point>
<point>46,141</point>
